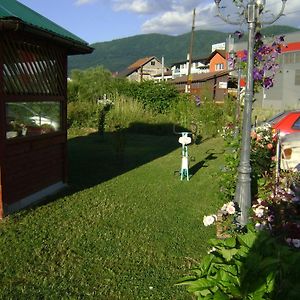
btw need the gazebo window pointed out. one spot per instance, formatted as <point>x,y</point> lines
<point>33,87</point>
<point>31,118</point>
<point>31,69</point>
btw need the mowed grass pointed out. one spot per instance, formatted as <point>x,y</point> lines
<point>124,229</point>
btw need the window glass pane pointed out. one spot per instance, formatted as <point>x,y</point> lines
<point>297,57</point>
<point>297,124</point>
<point>289,58</point>
<point>32,118</point>
<point>297,77</point>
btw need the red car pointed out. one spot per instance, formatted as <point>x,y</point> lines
<point>285,122</point>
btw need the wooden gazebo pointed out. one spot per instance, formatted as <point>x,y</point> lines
<point>33,102</point>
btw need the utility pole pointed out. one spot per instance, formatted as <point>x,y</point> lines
<point>162,68</point>
<point>189,75</point>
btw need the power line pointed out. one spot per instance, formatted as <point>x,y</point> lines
<point>292,12</point>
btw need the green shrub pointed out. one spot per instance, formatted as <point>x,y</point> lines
<point>83,114</point>
<point>248,266</point>
<point>156,96</point>
<point>211,115</point>
<point>125,111</point>
<point>90,85</point>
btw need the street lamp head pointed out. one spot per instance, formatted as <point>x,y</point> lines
<point>261,3</point>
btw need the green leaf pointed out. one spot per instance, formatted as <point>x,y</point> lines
<point>268,262</point>
<point>270,282</point>
<point>230,242</point>
<point>248,239</point>
<point>228,253</point>
<point>219,295</point>
<point>201,284</point>
<point>187,280</point>
<point>205,292</point>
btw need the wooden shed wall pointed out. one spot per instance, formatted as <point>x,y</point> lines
<point>30,164</point>
<point>209,87</point>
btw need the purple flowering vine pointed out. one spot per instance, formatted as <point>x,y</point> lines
<point>265,61</point>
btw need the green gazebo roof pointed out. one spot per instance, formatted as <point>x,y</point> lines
<point>12,10</point>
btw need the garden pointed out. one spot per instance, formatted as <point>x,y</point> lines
<point>127,227</point>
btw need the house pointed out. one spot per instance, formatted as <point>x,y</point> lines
<point>209,75</point>
<point>143,69</point>
<point>285,94</point>
<point>212,84</point>
<point>33,105</point>
<point>217,61</point>
<point>199,66</point>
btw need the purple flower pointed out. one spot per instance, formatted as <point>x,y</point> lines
<point>268,82</point>
<point>231,63</point>
<point>280,39</point>
<point>245,56</point>
<point>258,36</point>
<point>238,34</point>
<point>258,74</point>
<point>198,101</point>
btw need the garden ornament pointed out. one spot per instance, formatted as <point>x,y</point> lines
<point>184,140</point>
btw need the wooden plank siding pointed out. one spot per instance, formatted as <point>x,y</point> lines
<point>31,166</point>
<point>204,85</point>
<point>2,129</point>
<point>31,70</point>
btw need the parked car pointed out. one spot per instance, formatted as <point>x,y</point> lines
<point>285,122</point>
<point>290,152</point>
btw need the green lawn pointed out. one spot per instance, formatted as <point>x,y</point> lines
<point>125,229</point>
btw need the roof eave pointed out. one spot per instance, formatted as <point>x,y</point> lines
<point>73,47</point>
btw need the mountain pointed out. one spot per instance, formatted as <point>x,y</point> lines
<point>118,54</point>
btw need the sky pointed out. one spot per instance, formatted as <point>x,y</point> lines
<point>106,20</point>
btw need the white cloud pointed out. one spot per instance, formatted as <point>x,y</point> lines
<point>83,2</point>
<point>137,6</point>
<point>180,20</point>
<point>175,16</point>
<point>291,12</point>
<point>170,22</point>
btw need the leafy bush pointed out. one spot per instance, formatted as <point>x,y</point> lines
<point>156,96</point>
<point>126,111</point>
<point>90,85</point>
<point>211,115</point>
<point>83,114</point>
<point>248,266</point>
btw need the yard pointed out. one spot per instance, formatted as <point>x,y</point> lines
<point>126,228</point>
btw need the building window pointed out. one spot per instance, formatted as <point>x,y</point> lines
<point>289,58</point>
<point>31,118</point>
<point>297,57</point>
<point>297,77</point>
<point>153,63</point>
<point>219,67</point>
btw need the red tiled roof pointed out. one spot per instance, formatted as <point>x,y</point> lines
<point>135,66</point>
<point>140,62</point>
<point>221,52</point>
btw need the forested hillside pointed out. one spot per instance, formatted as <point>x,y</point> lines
<point>116,55</point>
